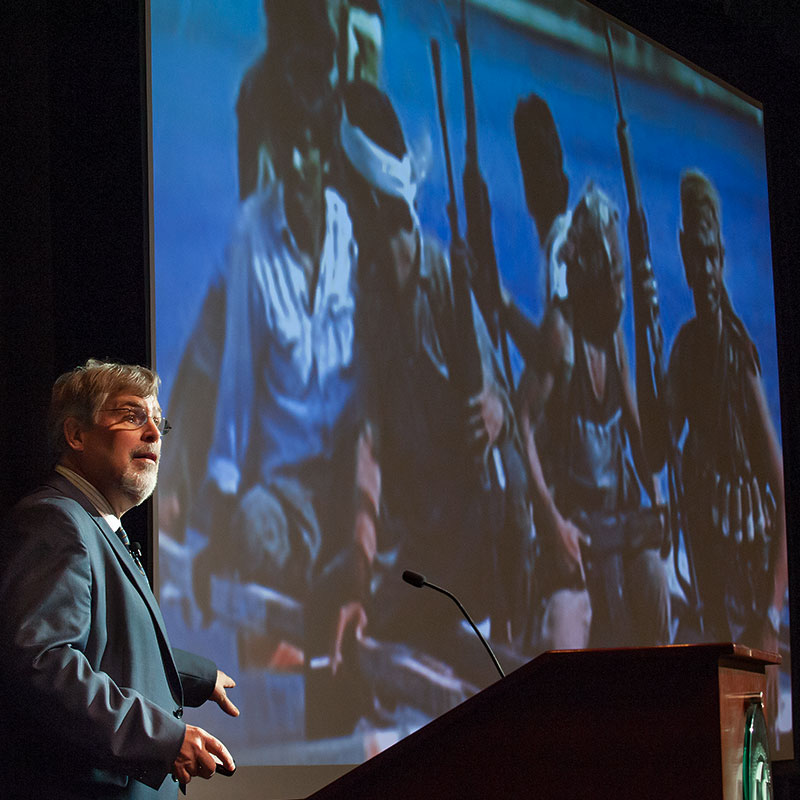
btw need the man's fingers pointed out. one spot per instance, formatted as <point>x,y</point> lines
<point>216,748</point>
<point>221,769</point>
<point>227,706</point>
<point>225,680</point>
<point>205,766</point>
<point>220,696</point>
<point>199,755</point>
<point>181,774</point>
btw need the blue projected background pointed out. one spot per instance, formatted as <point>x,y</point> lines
<point>677,118</point>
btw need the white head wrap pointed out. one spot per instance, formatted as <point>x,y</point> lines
<point>391,175</point>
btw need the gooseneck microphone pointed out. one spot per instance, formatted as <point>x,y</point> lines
<point>417,580</point>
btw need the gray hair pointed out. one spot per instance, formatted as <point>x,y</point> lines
<point>83,391</point>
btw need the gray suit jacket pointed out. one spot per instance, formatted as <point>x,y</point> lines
<point>90,690</point>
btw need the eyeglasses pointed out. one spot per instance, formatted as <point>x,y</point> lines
<point>133,417</point>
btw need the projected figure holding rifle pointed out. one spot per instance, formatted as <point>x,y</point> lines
<point>603,577</point>
<point>452,496</point>
<point>287,377</point>
<point>726,478</point>
<point>731,469</point>
<point>295,71</point>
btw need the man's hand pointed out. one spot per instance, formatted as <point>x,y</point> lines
<point>220,696</point>
<point>199,755</point>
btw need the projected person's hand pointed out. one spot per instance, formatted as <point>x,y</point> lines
<point>220,696</point>
<point>568,541</point>
<point>485,418</point>
<point>351,621</point>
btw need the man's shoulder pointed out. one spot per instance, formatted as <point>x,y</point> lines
<point>52,499</point>
<point>44,523</point>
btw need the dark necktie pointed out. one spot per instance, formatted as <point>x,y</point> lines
<point>133,550</point>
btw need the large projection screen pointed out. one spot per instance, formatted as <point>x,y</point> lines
<point>498,388</point>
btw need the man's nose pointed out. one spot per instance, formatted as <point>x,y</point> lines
<point>150,431</point>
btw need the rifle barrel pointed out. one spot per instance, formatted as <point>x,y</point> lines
<point>452,209</point>
<point>613,65</point>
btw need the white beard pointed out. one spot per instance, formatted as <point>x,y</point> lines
<point>139,482</point>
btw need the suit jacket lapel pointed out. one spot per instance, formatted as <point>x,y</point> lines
<point>65,487</point>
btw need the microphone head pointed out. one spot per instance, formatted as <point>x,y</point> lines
<point>414,578</point>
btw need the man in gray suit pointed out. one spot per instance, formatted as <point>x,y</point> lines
<point>92,694</point>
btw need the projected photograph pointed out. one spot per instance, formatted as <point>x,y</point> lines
<point>478,290</point>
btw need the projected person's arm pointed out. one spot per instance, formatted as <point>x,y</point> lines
<point>662,416</point>
<point>534,392</point>
<point>654,401</point>
<point>244,334</point>
<point>489,411</point>
<point>630,414</point>
<point>351,618</point>
<point>767,460</point>
<point>486,417</point>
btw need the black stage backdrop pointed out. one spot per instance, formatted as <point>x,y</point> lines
<point>75,268</point>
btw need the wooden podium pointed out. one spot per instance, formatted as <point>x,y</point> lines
<point>660,722</point>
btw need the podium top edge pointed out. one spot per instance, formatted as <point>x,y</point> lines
<point>757,655</point>
<point>711,649</point>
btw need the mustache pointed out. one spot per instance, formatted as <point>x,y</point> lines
<point>145,451</point>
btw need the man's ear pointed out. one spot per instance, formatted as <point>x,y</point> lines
<point>73,434</point>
